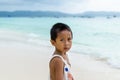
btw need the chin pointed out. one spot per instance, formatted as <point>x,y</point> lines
<point>67,50</point>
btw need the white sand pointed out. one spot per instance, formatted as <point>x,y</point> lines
<point>27,62</point>
<point>87,68</point>
<point>23,62</point>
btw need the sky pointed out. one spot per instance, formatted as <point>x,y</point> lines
<point>67,6</point>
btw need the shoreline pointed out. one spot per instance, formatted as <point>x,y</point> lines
<point>22,59</point>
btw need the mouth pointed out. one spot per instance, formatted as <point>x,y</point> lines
<point>66,48</point>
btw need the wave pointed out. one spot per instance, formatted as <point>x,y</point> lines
<point>26,38</point>
<point>112,57</point>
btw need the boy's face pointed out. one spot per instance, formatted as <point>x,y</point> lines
<point>63,41</point>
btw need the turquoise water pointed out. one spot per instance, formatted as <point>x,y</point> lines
<point>99,37</point>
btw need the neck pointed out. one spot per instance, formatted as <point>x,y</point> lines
<point>59,53</point>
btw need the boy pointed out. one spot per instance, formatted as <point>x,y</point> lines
<point>61,39</point>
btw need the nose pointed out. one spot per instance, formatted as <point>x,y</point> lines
<point>66,42</point>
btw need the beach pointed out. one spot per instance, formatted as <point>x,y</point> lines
<point>25,49</point>
<point>20,61</point>
<point>90,68</point>
<point>23,62</point>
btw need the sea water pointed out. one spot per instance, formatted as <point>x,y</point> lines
<point>98,37</point>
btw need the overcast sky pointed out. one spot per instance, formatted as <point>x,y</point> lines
<point>69,6</point>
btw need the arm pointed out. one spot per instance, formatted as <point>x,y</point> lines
<point>56,69</point>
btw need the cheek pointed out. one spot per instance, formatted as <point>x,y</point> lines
<point>70,44</point>
<point>59,44</point>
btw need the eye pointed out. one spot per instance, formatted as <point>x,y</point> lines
<point>69,39</point>
<point>61,39</point>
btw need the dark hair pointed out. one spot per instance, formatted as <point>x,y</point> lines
<point>58,27</point>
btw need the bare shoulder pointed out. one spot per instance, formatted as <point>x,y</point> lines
<point>56,68</point>
<point>56,61</point>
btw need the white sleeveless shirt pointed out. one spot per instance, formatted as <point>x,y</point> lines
<point>66,67</point>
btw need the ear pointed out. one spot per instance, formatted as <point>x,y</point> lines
<point>52,42</point>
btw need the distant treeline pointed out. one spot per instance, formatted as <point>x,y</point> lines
<point>89,14</point>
